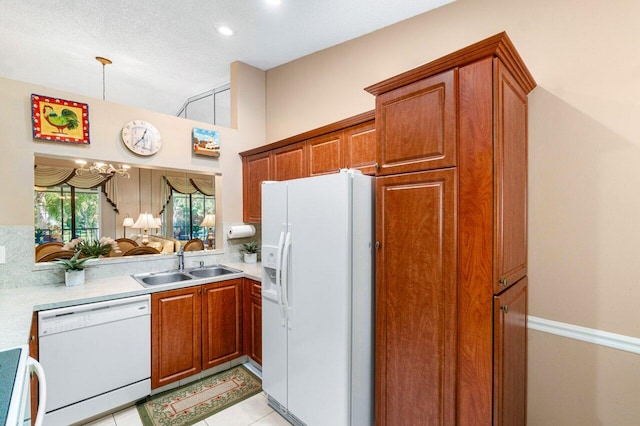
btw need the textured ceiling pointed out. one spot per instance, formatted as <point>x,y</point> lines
<point>165,51</point>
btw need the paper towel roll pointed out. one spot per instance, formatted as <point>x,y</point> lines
<point>241,231</point>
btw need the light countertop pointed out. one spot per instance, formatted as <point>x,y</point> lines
<point>17,305</point>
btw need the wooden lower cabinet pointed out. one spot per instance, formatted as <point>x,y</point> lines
<point>510,356</point>
<point>175,335</point>
<point>253,320</point>
<point>221,322</point>
<point>193,329</point>
<point>416,299</point>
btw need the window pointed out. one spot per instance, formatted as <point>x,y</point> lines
<point>213,106</point>
<point>188,212</point>
<point>63,212</point>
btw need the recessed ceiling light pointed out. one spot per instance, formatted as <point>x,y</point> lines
<point>274,2</point>
<point>224,30</point>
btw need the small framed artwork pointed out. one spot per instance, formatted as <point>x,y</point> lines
<point>59,120</point>
<point>206,142</point>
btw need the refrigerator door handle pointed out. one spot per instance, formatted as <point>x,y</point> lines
<point>279,278</point>
<point>285,274</point>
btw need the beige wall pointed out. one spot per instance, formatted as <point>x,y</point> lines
<point>584,157</point>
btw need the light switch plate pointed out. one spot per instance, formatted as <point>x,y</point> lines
<point>2,255</point>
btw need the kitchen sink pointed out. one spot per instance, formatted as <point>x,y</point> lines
<point>152,279</point>
<point>212,271</point>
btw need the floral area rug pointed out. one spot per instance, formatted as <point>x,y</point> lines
<point>196,401</point>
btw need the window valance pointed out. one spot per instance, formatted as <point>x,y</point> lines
<point>47,176</point>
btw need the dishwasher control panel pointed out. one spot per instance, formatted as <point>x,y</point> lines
<point>73,317</point>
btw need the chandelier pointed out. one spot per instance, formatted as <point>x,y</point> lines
<point>103,169</point>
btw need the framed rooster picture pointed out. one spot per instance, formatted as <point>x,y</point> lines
<point>59,120</point>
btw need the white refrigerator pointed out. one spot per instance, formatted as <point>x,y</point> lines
<point>317,298</point>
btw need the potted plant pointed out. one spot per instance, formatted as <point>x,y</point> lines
<point>74,269</point>
<point>97,248</point>
<point>250,251</point>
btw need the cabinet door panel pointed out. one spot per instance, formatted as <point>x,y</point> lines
<point>510,356</point>
<point>325,153</point>
<point>256,330</point>
<point>416,299</point>
<point>252,323</point>
<point>360,147</point>
<point>511,179</point>
<point>416,125</point>
<point>175,335</point>
<point>290,162</point>
<point>255,170</point>
<point>221,322</point>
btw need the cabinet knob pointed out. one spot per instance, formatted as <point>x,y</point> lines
<point>503,282</point>
<point>376,166</point>
<point>377,244</point>
<point>505,309</point>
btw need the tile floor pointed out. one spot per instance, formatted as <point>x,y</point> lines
<point>252,411</point>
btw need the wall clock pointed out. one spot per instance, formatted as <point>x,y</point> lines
<point>141,137</point>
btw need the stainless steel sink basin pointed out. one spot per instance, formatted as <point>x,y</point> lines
<point>152,279</point>
<point>212,271</point>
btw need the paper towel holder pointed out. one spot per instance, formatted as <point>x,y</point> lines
<point>241,231</point>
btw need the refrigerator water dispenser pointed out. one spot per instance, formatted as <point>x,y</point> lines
<point>269,271</point>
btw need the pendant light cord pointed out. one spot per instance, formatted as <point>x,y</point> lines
<point>104,62</point>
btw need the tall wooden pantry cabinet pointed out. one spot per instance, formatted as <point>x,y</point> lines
<point>451,238</point>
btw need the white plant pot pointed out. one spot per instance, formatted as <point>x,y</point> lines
<point>250,257</point>
<point>72,278</point>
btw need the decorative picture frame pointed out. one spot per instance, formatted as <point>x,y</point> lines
<point>206,142</point>
<point>59,120</point>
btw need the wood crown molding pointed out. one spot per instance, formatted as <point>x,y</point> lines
<point>333,127</point>
<point>499,46</point>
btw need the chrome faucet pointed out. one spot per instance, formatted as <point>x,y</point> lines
<point>180,255</point>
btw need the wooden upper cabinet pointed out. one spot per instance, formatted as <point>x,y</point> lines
<point>360,147</point>
<point>290,162</point>
<point>347,143</point>
<point>175,335</point>
<point>416,125</point>
<point>415,334</point>
<point>510,181</point>
<point>326,153</point>
<point>510,356</point>
<point>255,169</point>
<point>221,322</point>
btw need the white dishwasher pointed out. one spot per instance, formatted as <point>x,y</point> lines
<point>96,356</point>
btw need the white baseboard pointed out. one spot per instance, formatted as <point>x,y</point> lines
<point>591,335</point>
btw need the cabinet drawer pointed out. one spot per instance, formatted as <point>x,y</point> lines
<point>256,288</point>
